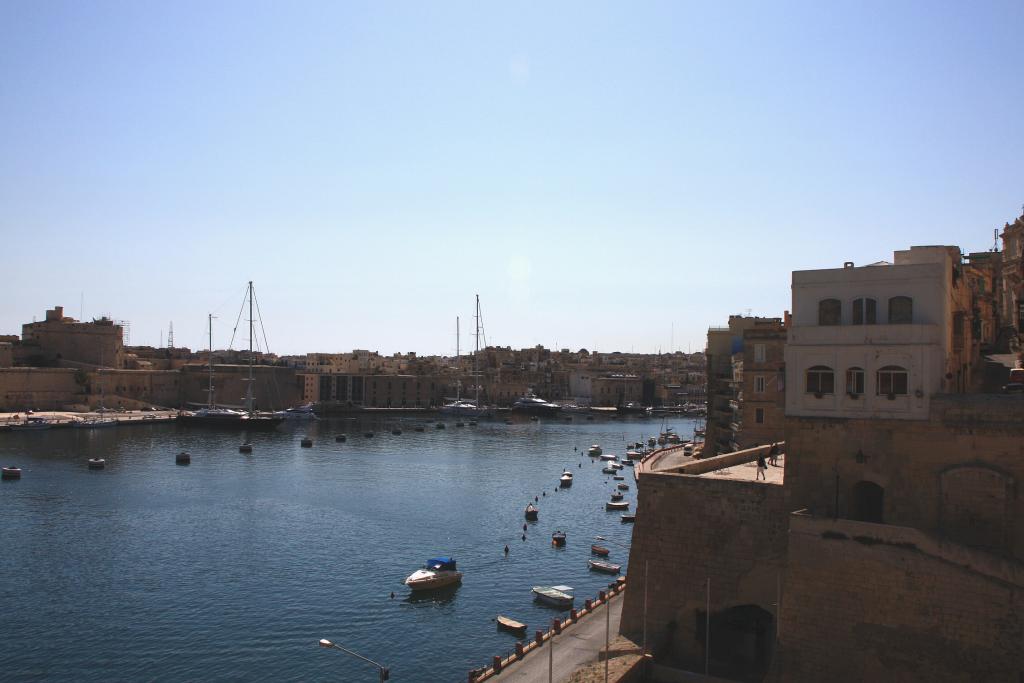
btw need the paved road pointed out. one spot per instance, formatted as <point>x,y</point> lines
<point>574,647</point>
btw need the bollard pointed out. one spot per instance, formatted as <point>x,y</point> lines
<point>589,604</point>
<point>496,663</point>
<point>572,614</point>
<point>539,637</point>
<point>519,651</point>
<point>556,626</point>
<point>601,596</point>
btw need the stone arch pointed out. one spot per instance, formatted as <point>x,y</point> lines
<point>867,502</point>
<point>975,506</point>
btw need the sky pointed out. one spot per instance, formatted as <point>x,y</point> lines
<point>610,176</point>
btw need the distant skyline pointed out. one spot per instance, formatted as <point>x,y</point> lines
<point>608,176</point>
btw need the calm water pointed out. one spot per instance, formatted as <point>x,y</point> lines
<point>233,567</point>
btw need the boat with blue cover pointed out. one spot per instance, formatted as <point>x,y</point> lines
<point>437,573</point>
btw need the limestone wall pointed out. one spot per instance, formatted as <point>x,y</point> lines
<point>40,388</point>
<point>870,602</point>
<point>690,528</point>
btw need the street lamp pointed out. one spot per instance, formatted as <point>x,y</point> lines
<point>384,672</point>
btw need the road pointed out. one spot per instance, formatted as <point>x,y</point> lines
<point>576,646</point>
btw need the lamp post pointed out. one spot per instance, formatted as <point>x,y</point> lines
<point>384,672</point>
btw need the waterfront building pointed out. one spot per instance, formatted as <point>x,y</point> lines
<point>889,545</point>
<point>59,340</point>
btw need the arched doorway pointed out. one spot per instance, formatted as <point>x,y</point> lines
<point>868,502</point>
<point>742,640</point>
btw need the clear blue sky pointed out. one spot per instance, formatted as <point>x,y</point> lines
<point>599,173</point>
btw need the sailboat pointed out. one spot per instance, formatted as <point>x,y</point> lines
<point>215,416</point>
<point>462,406</point>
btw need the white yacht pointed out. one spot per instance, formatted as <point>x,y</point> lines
<point>438,573</point>
<point>304,412</point>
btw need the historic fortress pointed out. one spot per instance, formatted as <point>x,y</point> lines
<point>888,545</point>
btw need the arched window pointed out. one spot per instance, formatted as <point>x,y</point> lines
<point>892,380</point>
<point>864,311</point>
<point>901,310</point>
<point>855,381</point>
<point>830,312</point>
<point>820,380</point>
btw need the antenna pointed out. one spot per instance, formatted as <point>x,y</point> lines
<point>995,239</point>
<point>170,335</point>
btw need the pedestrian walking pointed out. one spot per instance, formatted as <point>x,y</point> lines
<point>773,455</point>
<point>762,466</point>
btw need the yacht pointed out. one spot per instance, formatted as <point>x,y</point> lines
<point>594,450</point>
<point>534,405</point>
<point>304,412</point>
<point>438,572</point>
<point>565,481</point>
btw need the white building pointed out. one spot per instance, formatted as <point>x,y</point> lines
<point>878,340</point>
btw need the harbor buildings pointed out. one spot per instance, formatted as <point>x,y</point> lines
<point>888,545</point>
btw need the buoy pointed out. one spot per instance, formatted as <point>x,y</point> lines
<point>392,595</point>
<point>340,438</point>
<point>506,548</point>
<point>524,535</point>
<point>535,499</point>
<point>183,458</point>
<point>245,448</point>
<point>306,442</point>
<point>524,527</point>
<point>544,493</point>
<point>97,463</point>
<point>10,473</point>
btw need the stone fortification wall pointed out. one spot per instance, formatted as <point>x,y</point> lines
<point>871,602</point>
<point>690,528</point>
<point>40,388</point>
<point>134,387</point>
<point>276,387</point>
<point>957,474</point>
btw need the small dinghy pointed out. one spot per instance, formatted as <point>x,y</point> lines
<point>531,512</point>
<point>558,539</point>
<point>623,487</point>
<point>511,625</point>
<point>618,477</point>
<point>610,457</point>
<point>594,450</point>
<point>599,550</point>
<point>628,519</point>
<point>616,497</point>
<point>602,566</point>
<point>557,596</point>
<point>10,473</point>
<point>245,448</point>
<point>609,470</point>
<point>616,505</point>
<point>97,463</point>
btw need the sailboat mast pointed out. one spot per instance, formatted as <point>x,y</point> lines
<point>249,390</point>
<point>458,362</point>
<point>209,391</point>
<point>476,352</point>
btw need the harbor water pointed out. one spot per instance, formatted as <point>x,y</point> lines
<point>232,568</point>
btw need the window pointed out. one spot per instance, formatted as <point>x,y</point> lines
<point>759,384</point>
<point>759,353</point>
<point>830,312</point>
<point>820,380</point>
<point>864,311</point>
<point>759,415</point>
<point>901,310</point>
<point>892,380</point>
<point>855,381</point>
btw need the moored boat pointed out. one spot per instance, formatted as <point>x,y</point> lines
<point>531,512</point>
<point>628,519</point>
<point>438,572</point>
<point>32,424</point>
<point>594,450</point>
<point>609,456</point>
<point>617,505</point>
<point>623,487</point>
<point>511,625</point>
<point>602,566</point>
<point>616,497</point>
<point>599,550</point>
<point>565,481</point>
<point>609,470</point>
<point>558,539</point>
<point>558,596</point>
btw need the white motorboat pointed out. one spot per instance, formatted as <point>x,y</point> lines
<point>557,596</point>
<point>32,424</point>
<point>565,481</point>
<point>617,505</point>
<point>594,450</point>
<point>304,412</point>
<point>438,573</point>
<point>96,423</point>
<point>609,456</point>
<point>609,470</point>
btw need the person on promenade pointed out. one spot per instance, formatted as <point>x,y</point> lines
<point>762,466</point>
<point>773,455</point>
